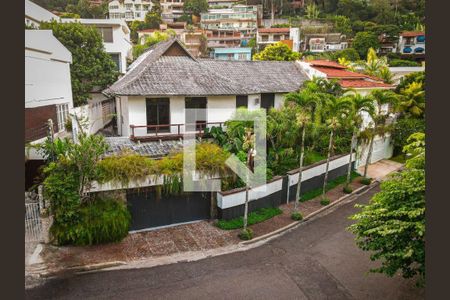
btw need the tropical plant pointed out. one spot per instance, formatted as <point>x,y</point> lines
<point>386,102</point>
<point>410,78</point>
<point>412,100</point>
<point>278,52</point>
<point>359,104</point>
<point>336,109</point>
<point>303,118</point>
<point>312,12</point>
<point>392,225</point>
<point>91,65</point>
<point>249,144</point>
<point>376,66</point>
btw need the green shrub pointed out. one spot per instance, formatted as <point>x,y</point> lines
<point>257,216</point>
<point>325,201</point>
<point>349,54</point>
<point>99,221</point>
<point>403,63</point>
<point>366,180</point>
<point>347,189</point>
<point>246,234</point>
<point>296,216</point>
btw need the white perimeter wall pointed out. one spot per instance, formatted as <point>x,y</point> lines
<point>238,198</point>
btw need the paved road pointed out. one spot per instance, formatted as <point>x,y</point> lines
<point>317,260</point>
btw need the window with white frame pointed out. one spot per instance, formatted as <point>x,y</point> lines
<point>62,111</point>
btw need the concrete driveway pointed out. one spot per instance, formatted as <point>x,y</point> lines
<point>317,260</point>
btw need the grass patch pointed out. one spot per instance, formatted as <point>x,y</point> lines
<point>257,216</point>
<point>325,201</point>
<point>330,185</point>
<point>399,158</point>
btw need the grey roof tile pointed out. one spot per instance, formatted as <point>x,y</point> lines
<point>151,149</point>
<point>155,74</point>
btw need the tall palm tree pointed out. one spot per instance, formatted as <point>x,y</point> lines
<point>336,109</point>
<point>359,104</point>
<point>249,142</point>
<point>386,102</point>
<point>303,119</point>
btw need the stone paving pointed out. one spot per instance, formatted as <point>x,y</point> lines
<point>381,168</point>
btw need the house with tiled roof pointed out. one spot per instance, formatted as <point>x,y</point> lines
<point>151,98</point>
<point>362,83</point>
<point>268,36</point>
<point>412,44</point>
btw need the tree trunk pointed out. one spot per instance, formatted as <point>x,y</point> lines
<point>246,190</point>
<point>330,145</point>
<point>349,170</point>
<point>369,155</point>
<point>272,14</point>
<point>300,171</point>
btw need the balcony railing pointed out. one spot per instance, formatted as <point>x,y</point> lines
<point>165,132</point>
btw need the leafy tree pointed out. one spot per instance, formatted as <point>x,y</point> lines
<point>195,7</point>
<point>383,10</point>
<point>364,41</point>
<point>375,66</point>
<point>342,24</point>
<point>153,17</point>
<point>153,39</point>
<point>278,52</point>
<point>85,9</point>
<point>392,225</point>
<point>403,128</point>
<point>353,9</point>
<point>349,54</point>
<point>91,65</point>
<point>69,15</point>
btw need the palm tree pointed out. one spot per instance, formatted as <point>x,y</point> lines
<point>303,119</point>
<point>412,100</point>
<point>359,104</point>
<point>336,109</point>
<point>249,142</point>
<point>380,127</point>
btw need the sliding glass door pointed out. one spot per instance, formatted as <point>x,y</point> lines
<point>158,113</point>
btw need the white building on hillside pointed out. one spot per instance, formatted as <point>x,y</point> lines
<point>48,89</point>
<point>35,15</point>
<point>129,10</point>
<point>116,38</point>
<point>267,36</point>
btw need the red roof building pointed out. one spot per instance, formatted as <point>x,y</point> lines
<point>346,78</point>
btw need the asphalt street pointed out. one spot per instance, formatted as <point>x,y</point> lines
<point>318,260</point>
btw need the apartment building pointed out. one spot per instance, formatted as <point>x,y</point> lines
<point>171,10</point>
<point>267,36</point>
<point>129,10</point>
<point>116,38</point>
<point>243,18</point>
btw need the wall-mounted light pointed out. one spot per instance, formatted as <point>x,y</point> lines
<point>256,101</point>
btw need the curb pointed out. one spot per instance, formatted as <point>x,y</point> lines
<point>240,246</point>
<point>356,192</point>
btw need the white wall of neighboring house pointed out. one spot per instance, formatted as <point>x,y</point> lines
<point>47,70</point>
<point>47,81</point>
<point>310,71</point>
<point>96,114</point>
<point>121,44</point>
<point>34,14</point>
<point>129,10</point>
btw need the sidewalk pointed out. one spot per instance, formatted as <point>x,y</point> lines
<point>185,241</point>
<point>380,169</point>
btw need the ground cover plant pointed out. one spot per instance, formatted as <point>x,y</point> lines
<point>254,217</point>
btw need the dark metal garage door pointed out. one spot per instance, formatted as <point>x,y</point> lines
<point>150,209</point>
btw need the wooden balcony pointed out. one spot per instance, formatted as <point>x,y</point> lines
<point>171,131</point>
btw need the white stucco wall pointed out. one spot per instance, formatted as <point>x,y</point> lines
<point>121,37</point>
<point>223,108</point>
<point>137,114</point>
<point>254,101</point>
<point>47,70</point>
<point>34,14</point>
<point>123,124</point>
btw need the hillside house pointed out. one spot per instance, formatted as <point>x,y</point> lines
<point>353,82</point>
<point>411,44</point>
<point>116,38</point>
<point>323,42</point>
<point>152,96</point>
<point>268,36</point>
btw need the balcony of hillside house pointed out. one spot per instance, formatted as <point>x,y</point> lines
<point>148,133</point>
